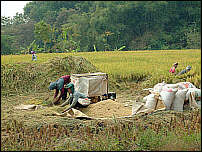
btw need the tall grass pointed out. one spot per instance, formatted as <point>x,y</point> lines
<point>178,133</point>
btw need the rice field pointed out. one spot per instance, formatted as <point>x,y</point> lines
<point>34,130</point>
<point>129,64</point>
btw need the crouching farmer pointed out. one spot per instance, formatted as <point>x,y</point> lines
<point>58,85</point>
<point>188,68</point>
<point>73,98</point>
<point>173,68</point>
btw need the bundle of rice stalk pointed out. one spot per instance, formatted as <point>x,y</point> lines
<point>34,101</point>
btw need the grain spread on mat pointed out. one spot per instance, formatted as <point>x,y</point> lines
<point>107,109</point>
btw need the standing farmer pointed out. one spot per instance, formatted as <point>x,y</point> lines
<point>34,57</point>
<point>58,85</point>
<point>173,68</point>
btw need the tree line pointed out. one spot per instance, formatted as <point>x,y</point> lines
<point>80,26</point>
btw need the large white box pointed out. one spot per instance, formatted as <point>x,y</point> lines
<point>91,84</point>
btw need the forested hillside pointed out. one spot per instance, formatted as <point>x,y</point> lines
<point>80,26</point>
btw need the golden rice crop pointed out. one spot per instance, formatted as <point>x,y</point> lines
<point>132,64</point>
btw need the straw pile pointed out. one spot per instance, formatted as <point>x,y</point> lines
<point>32,77</point>
<point>107,109</point>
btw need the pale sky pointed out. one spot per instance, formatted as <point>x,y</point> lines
<point>10,8</point>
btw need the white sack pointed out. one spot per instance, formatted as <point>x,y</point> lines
<point>84,102</point>
<point>29,107</point>
<point>192,95</point>
<point>172,85</point>
<point>185,85</point>
<point>158,87</point>
<point>179,100</point>
<point>150,101</point>
<point>168,95</point>
<point>195,90</point>
<point>145,98</point>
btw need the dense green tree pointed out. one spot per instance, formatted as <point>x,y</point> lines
<point>7,46</point>
<point>20,18</point>
<point>105,25</point>
<point>37,10</point>
<point>25,34</point>
<point>19,30</point>
<point>193,37</point>
<point>43,32</point>
<point>63,16</point>
<point>6,21</point>
<point>50,17</point>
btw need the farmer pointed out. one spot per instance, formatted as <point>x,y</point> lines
<point>188,68</point>
<point>59,85</point>
<point>73,98</point>
<point>172,69</point>
<point>34,57</point>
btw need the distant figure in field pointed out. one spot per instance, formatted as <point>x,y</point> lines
<point>188,68</point>
<point>173,68</point>
<point>58,85</point>
<point>34,57</point>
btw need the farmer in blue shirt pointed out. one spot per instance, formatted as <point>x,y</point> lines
<point>58,85</point>
<point>73,98</point>
<point>188,68</point>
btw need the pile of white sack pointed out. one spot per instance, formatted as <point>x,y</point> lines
<point>174,96</point>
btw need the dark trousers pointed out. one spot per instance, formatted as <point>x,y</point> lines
<point>64,96</point>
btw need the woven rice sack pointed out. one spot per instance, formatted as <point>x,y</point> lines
<point>178,102</point>
<point>84,102</point>
<point>185,85</point>
<point>145,98</point>
<point>172,85</point>
<point>168,95</point>
<point>150,102</point>
<point>158,87</point>
<point>197,92</point>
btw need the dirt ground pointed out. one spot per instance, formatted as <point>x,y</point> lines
<point>125,97</point>
<point>122,106</point>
